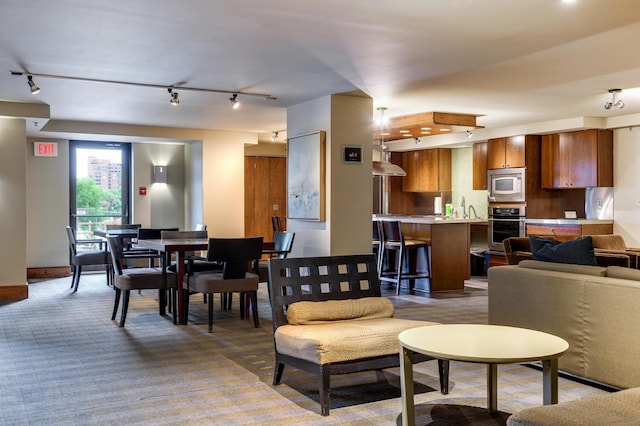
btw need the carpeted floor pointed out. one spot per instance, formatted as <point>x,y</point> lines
<point>63,361</point>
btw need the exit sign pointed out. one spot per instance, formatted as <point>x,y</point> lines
<point>45,149</point>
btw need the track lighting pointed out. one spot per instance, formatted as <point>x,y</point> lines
<point>34,89</point>
<point>615,102</point>
<point>274,137</point>
<point>417,141</point>
<point>174,97</point>
<point>469,133</point>
<point>233,99</point>
<point>235,103</point>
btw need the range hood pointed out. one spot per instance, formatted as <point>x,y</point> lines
<point>385,168</point>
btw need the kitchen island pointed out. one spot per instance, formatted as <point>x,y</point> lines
<point>450,248</point>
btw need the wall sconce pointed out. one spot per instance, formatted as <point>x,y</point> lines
<point>159,174</point>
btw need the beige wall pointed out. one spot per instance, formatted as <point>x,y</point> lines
<point>13,204</point>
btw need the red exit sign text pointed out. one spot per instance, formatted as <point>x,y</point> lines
<point>45,149</point>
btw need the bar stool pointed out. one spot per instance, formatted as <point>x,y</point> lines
<point>376,243</point>
<point>401,256</point>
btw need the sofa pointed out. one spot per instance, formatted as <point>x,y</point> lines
<point>596,309</point>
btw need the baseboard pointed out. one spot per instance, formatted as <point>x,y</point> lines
<point>14,292</point>
<point>48,272</point>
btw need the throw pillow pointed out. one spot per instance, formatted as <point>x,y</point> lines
<point>579,252</point>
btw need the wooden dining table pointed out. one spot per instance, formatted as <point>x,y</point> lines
<point>179,247</point>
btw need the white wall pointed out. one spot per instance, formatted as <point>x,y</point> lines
<point>163,205</point>
<point>13,202</point>
<point>223,182</point>
<point>626,166</point>
<point>193,184</point>
<point>347,120</point>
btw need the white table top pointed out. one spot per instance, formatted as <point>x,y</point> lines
<point>483,343</point>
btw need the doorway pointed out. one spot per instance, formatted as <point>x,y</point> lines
<point>99,185</point>
<point>265,186</point>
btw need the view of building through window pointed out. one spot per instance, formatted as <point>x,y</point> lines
<point>98,189</point>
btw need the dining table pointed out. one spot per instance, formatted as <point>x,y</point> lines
<point>179,246</point>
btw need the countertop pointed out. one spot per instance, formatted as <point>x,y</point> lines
<point>569,221</point>
<point>427,219</point>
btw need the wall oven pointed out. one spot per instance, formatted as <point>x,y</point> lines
<point>506,185</point>
<point>505,222</point>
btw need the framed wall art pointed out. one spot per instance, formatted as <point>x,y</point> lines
<point>306,176</point>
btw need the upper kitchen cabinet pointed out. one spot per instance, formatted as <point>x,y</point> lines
<point>577,159</point>
<point>480,166</point>
<point>504,153</point>
<point>428,170</point>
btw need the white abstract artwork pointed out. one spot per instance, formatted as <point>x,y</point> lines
<point>305,176</point>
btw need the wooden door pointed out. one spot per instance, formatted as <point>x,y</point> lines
<point>411,163</point>
<point>480,166</point>
<point>514,152</point>
<point>496,153</point>
<point>265,194</point>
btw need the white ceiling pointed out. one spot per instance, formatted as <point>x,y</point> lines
<point>512,62</point>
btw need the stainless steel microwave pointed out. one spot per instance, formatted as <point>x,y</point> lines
<point>506,185</point>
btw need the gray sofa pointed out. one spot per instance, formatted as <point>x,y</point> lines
<point>596,309</point>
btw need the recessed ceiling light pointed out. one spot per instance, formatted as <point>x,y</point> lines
<point>425,133</point>
<point>404,131</point>
<point>445,130</point>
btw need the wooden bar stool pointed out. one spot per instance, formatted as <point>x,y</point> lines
<point>399,257</point>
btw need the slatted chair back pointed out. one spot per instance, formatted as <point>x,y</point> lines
<point>283,243</point>
<point>318,279</point>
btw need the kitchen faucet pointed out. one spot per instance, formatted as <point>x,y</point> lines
<point>475,215</point>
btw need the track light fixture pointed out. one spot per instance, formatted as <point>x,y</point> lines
<point>469,133</point>
<point>34,89</point>
<point>235,103</point>
<point>274,137</point>
<point>174,97</point>
<point>614,102</point>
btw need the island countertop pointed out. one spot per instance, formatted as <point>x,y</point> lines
<point>427,219</point>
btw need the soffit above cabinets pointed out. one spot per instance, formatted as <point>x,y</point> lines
<point>426,124</point>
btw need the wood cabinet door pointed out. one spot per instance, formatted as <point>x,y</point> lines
<point>430,170</point>
<point>480,166</point>
<point>264,194</point>
<point>579,152</point>
<point>514,151</point>
<point>411,165</point>
<point>496,153</point>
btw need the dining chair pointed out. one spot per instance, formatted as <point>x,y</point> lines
<point>125,241</point>
<point>127,279</point>
<point>236,255</point>
<point>84,257</point>
<point>147,234</point>
<point>280,249</point>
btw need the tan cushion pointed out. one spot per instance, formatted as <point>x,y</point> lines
<point>564,267</point>
<point>618,408</point>
<point>300,313</point>
<point>339,341</point>
<point>624,273</point>
<point>609,242</point>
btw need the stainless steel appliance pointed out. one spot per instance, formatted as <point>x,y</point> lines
<point>505,222</point>
<point>506,185</point>
<point>598,203</point>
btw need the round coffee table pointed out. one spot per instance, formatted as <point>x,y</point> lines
<point>478,343</point>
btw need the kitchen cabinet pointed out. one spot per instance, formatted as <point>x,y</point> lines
<point>428,170</point>
<point>504,153</point>
<point>480,166</point>
<point>578,159</point>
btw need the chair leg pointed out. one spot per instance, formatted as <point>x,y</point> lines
<point>162,301</point>
<point>277,373</point>
<point>243,305</point>
<point>399,266</point>
<point>210,314</point>
<point>254,308</point>
<point>116,302</point>
<point>77,278</point>
<point>185,305</point>
<point>125,306</point>
<point>174,305</point>
<point>74,270</point>
<point>325,388</point>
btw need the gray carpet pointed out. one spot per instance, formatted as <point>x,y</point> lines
<point>63,361</point>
